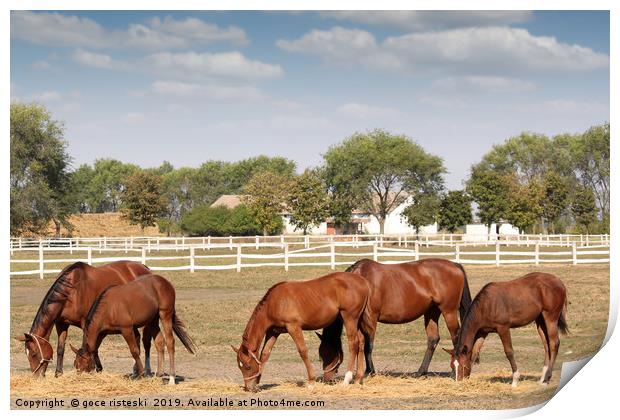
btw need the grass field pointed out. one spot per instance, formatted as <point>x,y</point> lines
<point>216,305</point>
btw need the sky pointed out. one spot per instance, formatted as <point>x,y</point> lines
<point>187,87</point>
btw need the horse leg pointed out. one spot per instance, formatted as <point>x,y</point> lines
<point>98,365</point>
<point>554,342</point>
<point>61,331</point>
<point>270,341</point>
<point>298,337</point>
<point>542,331</point>
<point>360,357</point>
<point>136,333</point>
<point>452,322</point>
<point>351,327</point>
<point>159,345</point>
<point>504,335</point>
<point>431,319</point>
<point>369,346</point>
<point>134,347</point>
<point>166,320</point>
<point>147,335</point>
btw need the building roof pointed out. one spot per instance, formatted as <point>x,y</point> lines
<point>228,201</point>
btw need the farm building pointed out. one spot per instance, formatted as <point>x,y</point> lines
<point>361,221</point>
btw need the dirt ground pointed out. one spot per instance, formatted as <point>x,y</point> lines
<point>216,305</point>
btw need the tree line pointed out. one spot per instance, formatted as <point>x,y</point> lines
<point>538,184</point>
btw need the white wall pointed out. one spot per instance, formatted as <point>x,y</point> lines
<point>289,229</point>
<point>396,225</point>
<point>480,232</point>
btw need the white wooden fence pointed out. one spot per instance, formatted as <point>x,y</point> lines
<point>320,255</point>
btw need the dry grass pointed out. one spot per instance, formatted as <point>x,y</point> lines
<point>216,306</point>
<point>88,225</point>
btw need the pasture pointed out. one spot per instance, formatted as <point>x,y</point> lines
<point>215,306</point>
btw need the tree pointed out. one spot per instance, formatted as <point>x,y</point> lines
<point>591,157</point>
<point>454,210</point>
<point>107,184</point>
<point>307,201</point>
<point>424,210</point>
<point>583,207</point>
<point>524,208</point>
<point>265,196</point>
<point>40,184</point>
<point>555,198</point>
<point>177,187</point>
<point>380,169</point>
<point>142,199</point>
<point>490,190</point>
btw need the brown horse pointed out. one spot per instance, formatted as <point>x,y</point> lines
<point>500,306</point>
<point>67,303</point>
<point>122,309</point>
<point>402,293</point>
<point>308,305</point>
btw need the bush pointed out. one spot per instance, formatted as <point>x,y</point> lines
<point>222,221</point>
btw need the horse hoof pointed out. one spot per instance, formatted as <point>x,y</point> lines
<point>348,377</point>
<point>58,374</point>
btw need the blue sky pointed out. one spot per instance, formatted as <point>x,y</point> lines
<point>187,87</point>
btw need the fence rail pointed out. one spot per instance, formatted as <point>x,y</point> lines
<point>330,254</point>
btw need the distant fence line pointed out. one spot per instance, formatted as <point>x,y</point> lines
<point>439,239</point>
<point>576,254</point>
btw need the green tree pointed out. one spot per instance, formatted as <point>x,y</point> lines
<point>524,207</point>
<point>490,190</point>
<point>107,184</point>
<point>40,184</point>
<point>423,211</point>
<point>177,188</point>
<point>583,207</point>
<point>307,201</point>
<point>556,198</point>
<point>591,160</point>
<point>454,210</point>
<point>265,197</point>
<point>143,202</point>
<point>379,170</point>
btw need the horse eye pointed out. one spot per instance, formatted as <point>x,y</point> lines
<point>247,367</point>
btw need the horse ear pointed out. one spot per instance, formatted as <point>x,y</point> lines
<point>25,338</point>
<point>235,349</point>
<point>319,335</point>
<point>449,351</point>
<point>73,348</point>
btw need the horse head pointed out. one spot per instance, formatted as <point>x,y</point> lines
<point>39,352</point>
<point>331,354</point>
<point>250,366</point>
<point>84,359</point>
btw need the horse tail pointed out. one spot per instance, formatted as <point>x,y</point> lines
<point>466,296</point>
<point>179,329</point>
<point>562,324</point>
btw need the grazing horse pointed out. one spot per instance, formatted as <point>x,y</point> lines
<point>500,306</point>
<point>308,305</point>
<point>402,293</point>
<point>67,303</point>
<point>121,309</point>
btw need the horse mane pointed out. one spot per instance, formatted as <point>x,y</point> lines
<point>471,315</point>
<point>257,309</point>
<point>354,266</point>
<point>94,307</point>
<point>57,293</point>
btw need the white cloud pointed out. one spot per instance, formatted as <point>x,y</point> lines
<point>430,20</point>
<point>489,84</point>
<point>363,111</point>
<point>487,49</point>
<point>41,65</point>
<point>216,92</point>
<point>48,96</point>
<point>203,65</point>
<point>567,106</point>
<point>61,30</point>
<point>101,61</point>
<point>133,118</point>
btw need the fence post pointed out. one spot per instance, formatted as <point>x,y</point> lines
<point>148,242</point>
<point>399,241</point>
<point>285,257</point>
<point>457,253</point>
<point>105,243</point>
<point>230,242</point>
<point>282,241</point>
<point>497,254</point>
<point>131,242</point>
<point>587,239</point>
<point>238,257</point>
<point>333,255</point>
<point>191,259</point>
<point>256,241</point>
<point>70,247</point>
<point>209,242</point>
<point>143,256</point>
<point>416,247</point>
<point>536,253</point>
<point>307,241</point>
<point>41,268</point>
<point>125,245</point>
<point>375,256</point>
<point>574,253</point>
